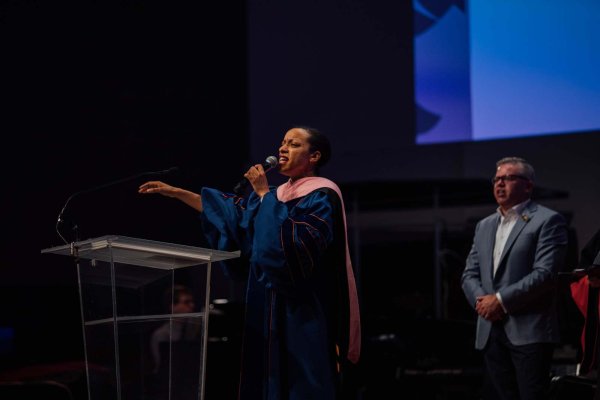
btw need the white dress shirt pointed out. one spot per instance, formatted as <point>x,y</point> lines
<point>506,225</point>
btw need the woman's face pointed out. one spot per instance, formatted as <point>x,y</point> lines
<point>295,158</point>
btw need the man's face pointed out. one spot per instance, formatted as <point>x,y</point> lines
<point>511,187</point>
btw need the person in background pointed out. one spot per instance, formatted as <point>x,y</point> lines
<point>302,321</point>
<point>510,281</point>
<point>180,300</point>
<point>585,295</point>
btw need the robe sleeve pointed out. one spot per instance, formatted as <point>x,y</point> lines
<point>288,245</point>
<point>228,224</point>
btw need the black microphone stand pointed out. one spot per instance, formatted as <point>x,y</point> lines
<point>75,228</point>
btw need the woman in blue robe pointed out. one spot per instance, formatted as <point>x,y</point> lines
<point>302,324</point>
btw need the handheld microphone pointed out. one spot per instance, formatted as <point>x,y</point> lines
<point>60,220</point>
<point>269,163</point>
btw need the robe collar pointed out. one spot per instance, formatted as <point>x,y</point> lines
<point>303,186</point>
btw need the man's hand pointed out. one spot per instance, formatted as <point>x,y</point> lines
<point>489,307</point>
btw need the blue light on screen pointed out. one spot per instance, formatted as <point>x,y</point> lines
<point>506,68</point>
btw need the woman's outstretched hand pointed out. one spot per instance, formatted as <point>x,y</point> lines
<point>192,199</point>
<point>158,187</point>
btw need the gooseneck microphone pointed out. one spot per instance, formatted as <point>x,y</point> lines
<point>269,163</point>
<point>60,220</point>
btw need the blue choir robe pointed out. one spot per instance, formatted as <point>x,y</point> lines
<point>295,335</point>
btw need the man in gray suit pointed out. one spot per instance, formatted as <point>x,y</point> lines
<point>509,279</point>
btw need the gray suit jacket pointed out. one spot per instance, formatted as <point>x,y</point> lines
<point>526,276</point>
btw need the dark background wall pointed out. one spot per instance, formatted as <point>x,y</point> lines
<point>98,91</point>
<point>95,92</point>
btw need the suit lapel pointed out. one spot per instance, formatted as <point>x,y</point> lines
<point>526,216</point>
<point>492,241</point>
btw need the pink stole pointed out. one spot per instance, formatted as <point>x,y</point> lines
<point>292,190</point>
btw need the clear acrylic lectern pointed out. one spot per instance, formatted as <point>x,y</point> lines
<point>138,342</point>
